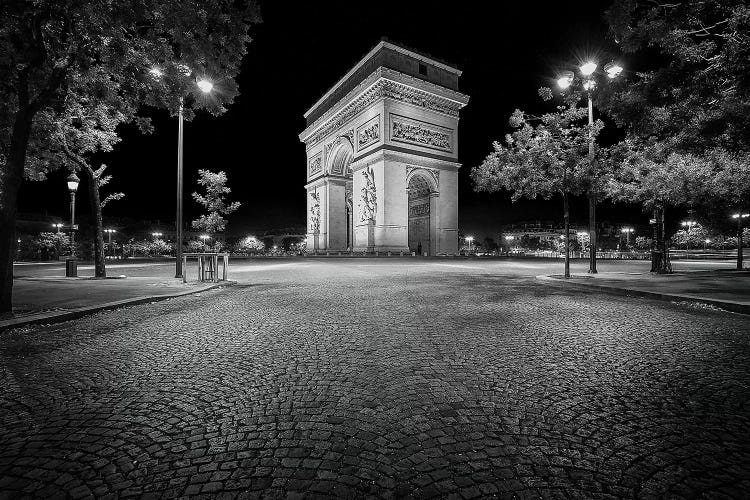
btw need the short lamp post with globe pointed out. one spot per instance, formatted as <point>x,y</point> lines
<point>71,267</point>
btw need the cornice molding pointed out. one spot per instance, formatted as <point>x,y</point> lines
<point>384,83</point>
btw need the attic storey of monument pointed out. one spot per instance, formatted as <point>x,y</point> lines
<point>382,151</point>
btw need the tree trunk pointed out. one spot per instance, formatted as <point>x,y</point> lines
<point>10,182</point>
<point>592,234</point>
<point>566,218</point>
<point>96,212</point>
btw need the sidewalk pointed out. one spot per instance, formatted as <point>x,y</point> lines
<point>726,289</point>
<point>50,297</point>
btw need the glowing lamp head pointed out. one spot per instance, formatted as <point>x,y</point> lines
<point>612,69</point>
<point>205,86</point>
<point>587,69</point>
<point>565,80</point>
<point>73,181</point>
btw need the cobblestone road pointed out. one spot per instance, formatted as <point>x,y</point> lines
<point>380,379</point>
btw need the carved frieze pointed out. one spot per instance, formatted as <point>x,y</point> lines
<point>384,89</point>
<point>368,134</point>
<point>420,133</point>
<point>316,164</point>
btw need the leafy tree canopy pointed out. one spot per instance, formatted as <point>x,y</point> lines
<point>696,95</point>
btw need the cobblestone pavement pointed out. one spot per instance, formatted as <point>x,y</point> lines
<point>380,379</point>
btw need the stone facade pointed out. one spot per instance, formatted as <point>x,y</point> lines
<point>382,150</point>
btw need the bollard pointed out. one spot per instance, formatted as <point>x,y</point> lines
<point>71,268</point>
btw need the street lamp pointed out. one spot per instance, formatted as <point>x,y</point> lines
<point>109,239</point>
<point>58,226</point>
<point>689,225</point>
<point>71,268</point>
<point>156,235</point>
<point>566,80</point>
<point>706,242</point>
<point>469,239</point>
<point>626,231</point>
<point>739,216</point>
<point>205,86</point>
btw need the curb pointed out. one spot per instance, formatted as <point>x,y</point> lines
<point>61,316</point>
<point>728,305</point>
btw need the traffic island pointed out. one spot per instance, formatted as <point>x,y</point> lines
<point>725,289</point>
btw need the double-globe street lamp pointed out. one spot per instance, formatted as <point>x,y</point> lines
<point>206,87</point>
<point>689,225</point>
<point>469,240</point>
<point>626,231</point>
<point>739,216</point>
<point>589,82</point>
<point>109,240</point>
<point>71,268</point>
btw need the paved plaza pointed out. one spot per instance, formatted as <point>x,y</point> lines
<point>381,377</point>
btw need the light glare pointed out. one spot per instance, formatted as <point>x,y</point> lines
<point>588,68</point>
<point>613,69</point>
<point>205,86</point>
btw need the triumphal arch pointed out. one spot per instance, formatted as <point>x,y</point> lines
<point>382,150</point>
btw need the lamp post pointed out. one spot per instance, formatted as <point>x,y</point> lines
<point>58,226</point>
<point>71,268</point>
<point>689,225</point>
<point>588,71</point>
<point>109,239</point>
<point>156,235</point>
<point>626,231</point>
<point>206,87</point>
<point>739,216</point>
<point>706,242</point>
<point>469,239</point>
<point>509,238</point>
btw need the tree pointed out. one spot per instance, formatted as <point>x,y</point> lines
<point>696,94</point>
<point>214,201</point>
<point>657,179</point>
<point>47,46</point>
<point>693,100</point>
<point>543,157</point>
<point>82,127</point>
<point>250,244</point>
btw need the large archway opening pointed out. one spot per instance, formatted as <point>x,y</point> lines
<point>340,213</point>
<point>420,190</point>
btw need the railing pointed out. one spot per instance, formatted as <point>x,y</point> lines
<point>208,266</point>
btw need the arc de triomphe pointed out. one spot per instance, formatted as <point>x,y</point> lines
<point>382,149</point>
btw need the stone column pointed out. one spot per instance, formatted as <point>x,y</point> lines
<point>435,229</point>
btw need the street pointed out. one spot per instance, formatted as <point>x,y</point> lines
<point>385,378</point>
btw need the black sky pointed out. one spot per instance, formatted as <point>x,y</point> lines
<point>507,50</point>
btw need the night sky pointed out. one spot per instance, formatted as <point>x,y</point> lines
<point>506,51</point>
